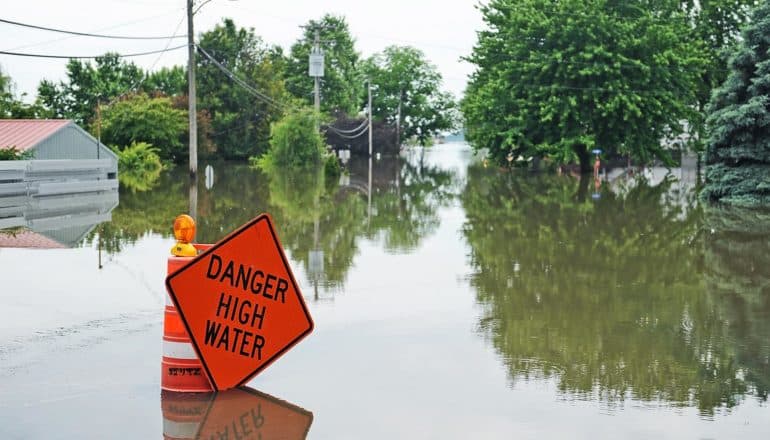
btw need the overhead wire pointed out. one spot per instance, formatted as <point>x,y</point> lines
<point>351,135</point>
<point>363,124</point>
<point>152,66</point>
<point>87,34</point>
<point>253,90</point>
<point>119,25</point>
<point>88,57</point>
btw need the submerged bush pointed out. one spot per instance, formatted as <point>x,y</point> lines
<point>139,165</point>
<point>332,167</point>
<point>294,142</point>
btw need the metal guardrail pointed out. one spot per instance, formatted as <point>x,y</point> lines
<point>53,194</point>
<point>49,177</point>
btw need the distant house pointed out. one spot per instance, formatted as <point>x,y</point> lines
<point>53,139</point>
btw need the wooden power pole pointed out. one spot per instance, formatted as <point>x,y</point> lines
<point>191,91</point>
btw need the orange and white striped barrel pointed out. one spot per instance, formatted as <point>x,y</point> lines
<point>183,414</point>
<point>182,371</point>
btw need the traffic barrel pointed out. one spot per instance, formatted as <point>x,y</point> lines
<point>181,369</point>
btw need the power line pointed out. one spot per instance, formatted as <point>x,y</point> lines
<point>138,83</point>
<point>119,25</point>
<point>256,93</point>
<point>88,57</point>
<point>86,34</point>
<point>350,134</point>
<point>341,131</point>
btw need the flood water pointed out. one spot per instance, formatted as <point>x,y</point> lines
<point>451,300</point>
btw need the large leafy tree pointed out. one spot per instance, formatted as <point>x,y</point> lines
<point>240,118</point>
<point>407,92</point>
<point>341,85</point>
<point>139,118</point>
<point>560,78</point>
<point>88,85</point>
<point>738,151</point>
<point>169,81</point>
<point>716,28</point>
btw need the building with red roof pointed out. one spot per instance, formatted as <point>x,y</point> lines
<point>52,139</point>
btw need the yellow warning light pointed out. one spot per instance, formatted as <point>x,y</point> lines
<point>184,232</point>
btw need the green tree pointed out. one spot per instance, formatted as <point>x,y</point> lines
<point>716,28</point>
<point>169,81</point>
<point>560,78</point>
<point>407,85</point>
<point>10,105</point>
<point>341,85</point>
<point>88,85</point>
<point>738,147</point>
<point>294,142</point>
<point>139,118</point>
<point>240,121</point>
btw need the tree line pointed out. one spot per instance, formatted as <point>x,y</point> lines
<point>557,79</point>
<point>124,104</point>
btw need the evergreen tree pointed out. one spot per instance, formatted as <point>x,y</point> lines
<point>738,150</point>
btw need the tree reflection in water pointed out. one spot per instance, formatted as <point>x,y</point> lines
<point>613,297</point>
<point>320,223</point>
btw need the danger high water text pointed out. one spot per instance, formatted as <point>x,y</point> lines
<point>238,323</point>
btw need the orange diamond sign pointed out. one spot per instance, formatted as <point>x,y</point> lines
<point>240,304</point>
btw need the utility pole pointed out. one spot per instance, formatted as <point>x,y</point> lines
<point>369,86</point>
<point>191,91</point>
<point>316,85</point>
<point>398,118</point>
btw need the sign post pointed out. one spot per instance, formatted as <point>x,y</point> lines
<point>240,304</point>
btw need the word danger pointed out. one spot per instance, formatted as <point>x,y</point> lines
<point>237,318</point>
<point>249,279</point>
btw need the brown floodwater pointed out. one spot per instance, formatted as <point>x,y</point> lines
<point>450,299</point>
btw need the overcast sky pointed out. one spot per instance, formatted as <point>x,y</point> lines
<point>444,29</point>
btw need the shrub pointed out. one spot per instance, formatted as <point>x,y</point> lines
<point>13,153</point>
<point>332,167</point>
<point>139,166</point>
<point>294,142</point>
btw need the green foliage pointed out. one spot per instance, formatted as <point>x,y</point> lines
<point>559,78</point>
<point>169,81</point>
<point>294,142</point>
<point>139,118</point>
<point>239,120</point>
<point>342,85</point>
<point>139,166</point>
<point>11,106</point>
<point>88,84</point>
<point>13,153</point>
<point>332,168</point>
<point>716,28</point>
<point>401,76</point>
<point>738,146</point>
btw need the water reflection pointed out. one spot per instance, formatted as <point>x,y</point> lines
<point>241,413</point>
<point>608,296</point>
<point>58,220</point>
<point>320,222</point>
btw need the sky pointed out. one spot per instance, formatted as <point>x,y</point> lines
<point>445,30</point>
